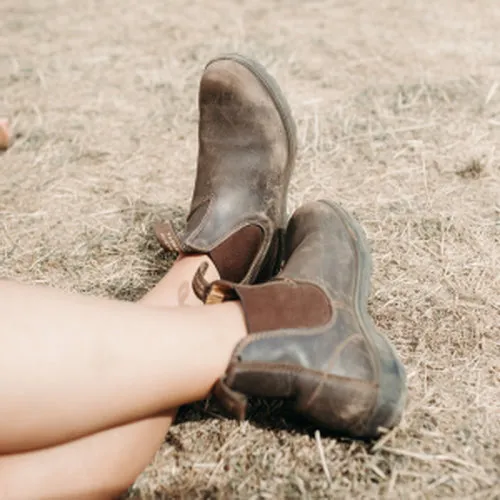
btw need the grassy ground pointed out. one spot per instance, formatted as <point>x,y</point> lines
<point>398,111</point>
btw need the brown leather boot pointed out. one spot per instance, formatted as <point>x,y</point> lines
<point>247,148</point>
<point>310,338</point>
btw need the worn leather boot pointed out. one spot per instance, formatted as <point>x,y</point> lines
<point>247,148</point>
<point>310,338</point>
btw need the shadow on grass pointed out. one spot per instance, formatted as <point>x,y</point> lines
<point>268,414</point>
<point>192,490</point>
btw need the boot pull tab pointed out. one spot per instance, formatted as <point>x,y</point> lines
<point>168,237</point>
<point>233,402</point>
<point>212,293</point>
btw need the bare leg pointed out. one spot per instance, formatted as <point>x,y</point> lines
<point>175,288</point>
<point>100,465</point>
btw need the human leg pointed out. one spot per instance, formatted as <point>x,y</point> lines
<point>77,365</point>
<point>175,288</point>
<point>103,464</point>
<point>99,466</point>
<point>257,150</point>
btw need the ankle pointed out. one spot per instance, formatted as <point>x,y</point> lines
<point>175,288</point>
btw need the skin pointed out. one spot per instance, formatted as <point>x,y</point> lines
<point>96,378</point>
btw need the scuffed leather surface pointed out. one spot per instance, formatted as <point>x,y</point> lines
<point>244,163</point>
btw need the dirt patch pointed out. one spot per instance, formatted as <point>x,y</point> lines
<point>398,113</point>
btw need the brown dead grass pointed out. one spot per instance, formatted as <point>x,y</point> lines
<point>398,112</point>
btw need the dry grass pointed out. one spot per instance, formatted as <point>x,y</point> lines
<point>398,112</point>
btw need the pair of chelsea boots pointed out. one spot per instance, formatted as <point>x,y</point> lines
<point>310,338</point>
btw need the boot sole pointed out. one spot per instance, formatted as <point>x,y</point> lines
<point>363,290</point>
